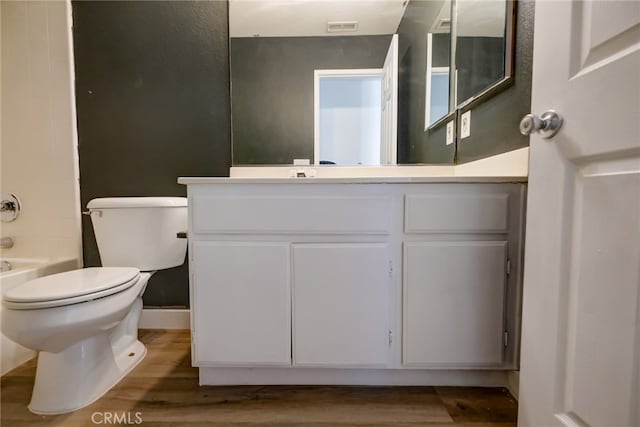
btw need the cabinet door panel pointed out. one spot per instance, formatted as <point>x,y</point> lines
<point>242,303</point>
<point>340,307</point>
<point>454,303</point>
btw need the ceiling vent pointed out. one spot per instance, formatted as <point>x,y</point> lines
<point>342,26</point>
<point>444,24</point>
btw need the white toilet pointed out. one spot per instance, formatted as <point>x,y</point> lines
<point>84,322</point>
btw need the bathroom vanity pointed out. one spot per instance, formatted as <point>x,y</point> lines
<point>355,280</point>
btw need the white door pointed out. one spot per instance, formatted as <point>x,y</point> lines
<point>580,361</point>
<point>389,132</point>
<point>340,304</point>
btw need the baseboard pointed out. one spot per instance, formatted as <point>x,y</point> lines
<point>513,383</point>
<point>160,318</point>
<point>318,376</point>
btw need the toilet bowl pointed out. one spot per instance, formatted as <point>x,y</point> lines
<point>84,323</point>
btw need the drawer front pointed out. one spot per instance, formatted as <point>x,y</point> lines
<point>292,214</point>
<point>453,213</point>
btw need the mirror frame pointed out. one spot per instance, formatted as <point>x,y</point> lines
<point>497,87</point>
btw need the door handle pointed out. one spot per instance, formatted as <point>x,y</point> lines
<point>546,125</point>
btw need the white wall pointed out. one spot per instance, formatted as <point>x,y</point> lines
<point>350,120</point>
<point>38,143</point>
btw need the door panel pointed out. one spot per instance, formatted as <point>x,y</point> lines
<point>243,311</point>
<point>581,324</point>
<point>389,132</point>
<point>340,304</point>
<point>603,300</point>
<point>454,303</point>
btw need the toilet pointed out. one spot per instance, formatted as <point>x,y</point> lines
<point>84,322</point>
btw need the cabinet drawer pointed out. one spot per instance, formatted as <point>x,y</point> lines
<point>453,213</point>
<point>291,214</point>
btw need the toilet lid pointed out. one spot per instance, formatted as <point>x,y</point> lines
<point>71,284</point>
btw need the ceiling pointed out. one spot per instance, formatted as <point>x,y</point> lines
<point>299,18</point>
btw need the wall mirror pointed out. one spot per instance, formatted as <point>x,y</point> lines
<point>482,46</point>
<point>323,79</point>
<point>476,61</point>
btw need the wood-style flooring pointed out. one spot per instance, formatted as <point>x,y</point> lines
<point>163,391</point>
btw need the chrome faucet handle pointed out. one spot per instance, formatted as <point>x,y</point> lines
<point>9,207</point>
<point>6,242</point>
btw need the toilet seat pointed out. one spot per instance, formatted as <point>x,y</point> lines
<point>70,287</point>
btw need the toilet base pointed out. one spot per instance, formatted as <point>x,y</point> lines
<point>81,374</point>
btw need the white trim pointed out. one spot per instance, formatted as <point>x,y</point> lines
<point>427,89</point>
<point>319,376</point>
<point>160,318</point>
<point>513,383</point>
<point>74,133</point>
<point>317,74</point>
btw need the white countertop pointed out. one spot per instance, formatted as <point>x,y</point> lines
<point>512,166</point>
<point>364,180</point>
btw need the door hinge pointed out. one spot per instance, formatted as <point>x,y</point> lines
<point>508,267</point>
<point>506,339</point>
<point>390,268</point>
<point>390,337</point>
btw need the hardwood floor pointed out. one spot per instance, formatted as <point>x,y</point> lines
<point>163,391</point>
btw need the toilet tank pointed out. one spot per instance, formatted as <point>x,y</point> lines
<point>140,231</point>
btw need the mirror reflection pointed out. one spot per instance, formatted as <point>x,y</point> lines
<point>318,79</point>
<point>437,100</point>
<point>480,46</point>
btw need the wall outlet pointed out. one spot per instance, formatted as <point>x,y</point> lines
<point>465,125</point>
<point>450,133</point>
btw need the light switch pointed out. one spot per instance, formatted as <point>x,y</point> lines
<point>450,133</point>
<point>465,125</point>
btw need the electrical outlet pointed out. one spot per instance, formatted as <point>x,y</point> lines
<point>465,125</point>
<point>450,133</point>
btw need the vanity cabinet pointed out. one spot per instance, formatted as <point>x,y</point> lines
<point>335,282</point>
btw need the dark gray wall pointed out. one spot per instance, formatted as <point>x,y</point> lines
<point>272,90</point>
<point>480,64</point>
<point>152,93</point>
<point>494,123</point>
<point>415,145</point>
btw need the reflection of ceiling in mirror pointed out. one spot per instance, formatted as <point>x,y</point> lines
<point>296,18</point>
<point>481,18</point>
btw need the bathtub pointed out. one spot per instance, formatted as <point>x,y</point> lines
<point>22,270</point>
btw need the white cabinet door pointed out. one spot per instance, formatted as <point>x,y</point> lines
<point>340,304</point>
<point>242,303</point>
<point>454,303</point>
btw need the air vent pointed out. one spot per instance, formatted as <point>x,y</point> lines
<point>444,24</point>
<point>342,26</point>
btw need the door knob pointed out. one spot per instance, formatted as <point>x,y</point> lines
<point>546,125</point>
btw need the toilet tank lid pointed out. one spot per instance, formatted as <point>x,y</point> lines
<point>137,202</point>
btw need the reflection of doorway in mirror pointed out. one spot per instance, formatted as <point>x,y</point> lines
<point>348,116</point>
<point>437,105</point>
<point>437,87</point>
